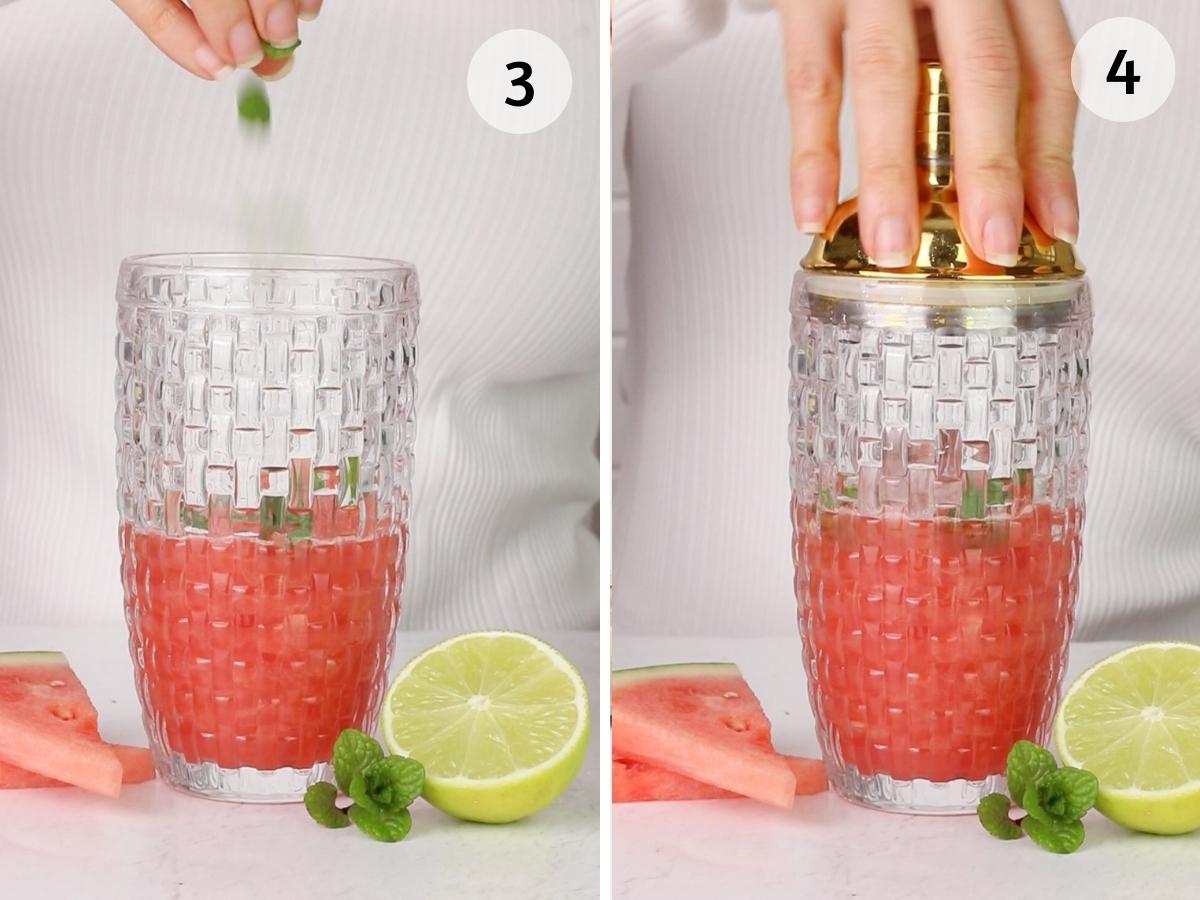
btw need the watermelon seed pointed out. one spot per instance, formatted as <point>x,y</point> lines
<point>738,725</point>
<point>730,695</point>
<point>57,683</point>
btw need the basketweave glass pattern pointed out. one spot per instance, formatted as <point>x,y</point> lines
<point>938,475</point>
<point>265,429</point>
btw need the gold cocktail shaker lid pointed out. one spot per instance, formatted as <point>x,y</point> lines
<point>943,252</point>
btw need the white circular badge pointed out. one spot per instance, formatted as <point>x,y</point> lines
<point>1123,69</point>
<point>519,81</point>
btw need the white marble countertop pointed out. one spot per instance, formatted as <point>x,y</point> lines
<point>827,849</point>
<point>157,843</point>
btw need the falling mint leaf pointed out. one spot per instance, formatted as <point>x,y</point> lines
<point>993,815</point>
<point>353,751</point>
<point>254,109</point>
<point>321,802</point>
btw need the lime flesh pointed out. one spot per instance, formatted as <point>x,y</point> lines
<point>499,720</point>
<point>1133,720</point>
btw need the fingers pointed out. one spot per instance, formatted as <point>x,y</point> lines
<point>982,68</point>
<point>272,69</point>
<point>883,68</point>
<point>229,27</point>
<point>309,9</point>
<point>276,21</point>
<point>1045,132</point>
<point>812,47</point>
<point>172,28</point>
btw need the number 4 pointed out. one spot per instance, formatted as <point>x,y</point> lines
<point>1129,78</point>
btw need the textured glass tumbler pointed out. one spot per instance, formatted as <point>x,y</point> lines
<point>939,443</point>
<point>264,425</point>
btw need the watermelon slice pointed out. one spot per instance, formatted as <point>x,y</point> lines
<point>60,754</point>
<point>137,764</point>
<point>636,781</point>
<point>44,705</point>
<point>700,720</point>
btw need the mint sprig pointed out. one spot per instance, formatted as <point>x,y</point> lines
<point>380,787</point>
<point>1053,799</point>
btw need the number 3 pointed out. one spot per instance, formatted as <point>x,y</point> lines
<point>521,81</point>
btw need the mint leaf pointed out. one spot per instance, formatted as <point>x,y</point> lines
<point>993,815</point>
<point>353,751</point>
<point>254,108</point>
<point>388,785</point>
<point>321,802</point>
<point>997,491</point>
<point>1027,762</point>
<point>1032,804</point>
<point>1057,837</point>
<point>390,827</point>
<point>973,505</point>
<point>279,52</point>
<point>1064,795</point>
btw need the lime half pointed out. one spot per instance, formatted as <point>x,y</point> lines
<point>1133,720</point>
<point>498,719</point>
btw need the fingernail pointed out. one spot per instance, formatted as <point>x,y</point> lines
<point>207,59</point>
<point>309,9</point>
<point>893,243</point>
<point>283,70</point>
<point>811,213</point>
<point>1000,241</point>
<point>281,24</point>
<point>244,45</point>
<point>1066,219</point>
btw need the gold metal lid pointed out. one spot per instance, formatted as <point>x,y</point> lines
<point>943,252</point>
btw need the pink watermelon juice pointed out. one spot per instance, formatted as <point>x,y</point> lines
<point>933,645</point>
<point>255,652</point>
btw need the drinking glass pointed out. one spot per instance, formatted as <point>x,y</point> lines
<point>265,427</point>
<point>939,441</point>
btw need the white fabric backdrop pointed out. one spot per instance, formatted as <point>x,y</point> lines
<point>108,149</point>
<point>701,529</point>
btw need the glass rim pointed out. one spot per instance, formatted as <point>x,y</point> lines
<point>248,261</point>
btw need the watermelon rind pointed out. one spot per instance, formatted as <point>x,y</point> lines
<point>675,670</point>
<point>32,658</point>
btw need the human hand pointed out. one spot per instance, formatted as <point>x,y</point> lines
<point>1008,63</point>
<point>210,38</point>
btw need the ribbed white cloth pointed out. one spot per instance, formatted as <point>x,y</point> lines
<point>701,531</point>
<point>108,149</point>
